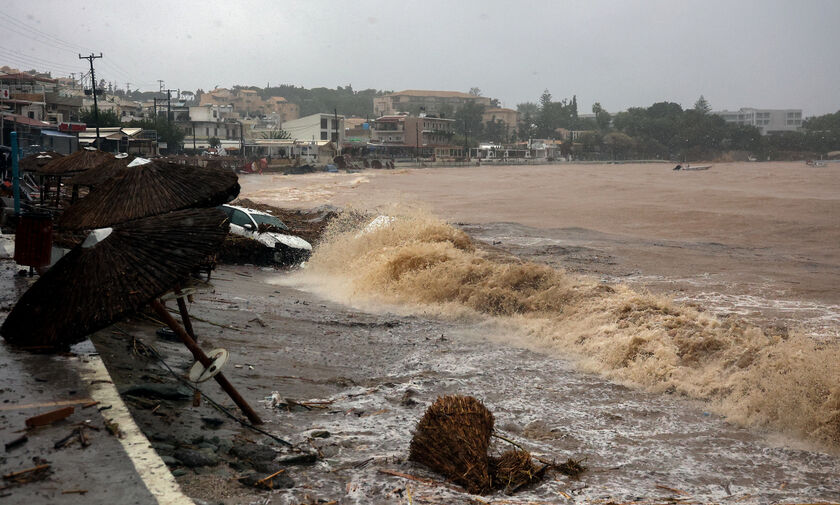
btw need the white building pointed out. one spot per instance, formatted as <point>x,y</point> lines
<point>316,127</point>
<point>767,120</point>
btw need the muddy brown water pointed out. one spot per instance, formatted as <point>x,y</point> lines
<point>754,240</point>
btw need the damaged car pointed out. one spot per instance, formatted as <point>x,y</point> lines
<point>277,245</point>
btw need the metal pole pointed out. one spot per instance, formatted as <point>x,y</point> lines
<point>93,88</point>
<point>204,360</point>
<point>15,173</point>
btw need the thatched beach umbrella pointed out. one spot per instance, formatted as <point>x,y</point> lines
<point>150,188</point>
<point>111,274</point>
<point>67,166</point>
<point>81,160</point>
<point>35,161</point>
<point>102,172</point>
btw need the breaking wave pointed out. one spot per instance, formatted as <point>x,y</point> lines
<point>782,382</point>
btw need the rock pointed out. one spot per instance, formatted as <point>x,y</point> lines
<point>194,459</point>
<point>281,481</point>
<point>306,458</point>
<point>225,445</point>
<point>179,472</point>
<point>208,446</point>
<point>320,434</point>
<point>160,391</point>
<point>169,460</point>
<point>212,422</point>
<point>161,447</point>
<point>253,452</point>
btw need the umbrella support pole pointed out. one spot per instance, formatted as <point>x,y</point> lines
<point>185,316</point>
<point>234,395</point>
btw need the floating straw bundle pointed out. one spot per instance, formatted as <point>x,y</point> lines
<point>452,439</point>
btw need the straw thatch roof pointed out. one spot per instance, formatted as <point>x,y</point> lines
<point>34,161</point>
<point>100,173</point>
<point>150,189</point>
<point>79,161</point>
<point>92,287</point>
<point>452,439</point>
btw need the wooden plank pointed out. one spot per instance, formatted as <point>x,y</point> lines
<point>58,403</point>
<point>49,417</point>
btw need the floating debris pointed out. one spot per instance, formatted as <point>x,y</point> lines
<point>452,438</point>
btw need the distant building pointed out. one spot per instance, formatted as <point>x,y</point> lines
<point>507,117</point>
<point>316,127</point>
<point>432,102</point>
<point>767,120</point>
<point>248,103</point>
<point>204,122</point>
<point>400,135</point>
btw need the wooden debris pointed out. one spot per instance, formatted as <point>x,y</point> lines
<point>16,442</point>
<point>262,482</point>
<point>417,479</point>
<point>29,475</point>
<point>666,488</point>
<point>74,491</point>
<point>90,404</point>
<point>49,417</point>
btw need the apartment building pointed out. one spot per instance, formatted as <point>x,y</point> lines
<point>767,120</point>
<point>431,102</point>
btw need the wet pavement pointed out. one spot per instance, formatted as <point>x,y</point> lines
<point>32,384</point>
<point>366,377</point>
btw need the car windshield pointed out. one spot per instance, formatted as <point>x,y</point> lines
<point>269,220</point>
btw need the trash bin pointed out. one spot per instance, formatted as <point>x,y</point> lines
<point>33,239</point>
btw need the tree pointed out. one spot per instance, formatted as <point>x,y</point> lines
<point>106,118</point>
<point>701,105</point>
<point>475,91</point>
<point>214,142</point>
<point>619,144</point>
<point>468,120</point>
<point>276,133</point>
<point>166,131</point>
<point>602,117</point>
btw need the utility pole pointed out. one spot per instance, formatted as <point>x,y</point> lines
<point>127,88</point>
<point>93,88</point>
<point>169,104</point>
<point>160,84</point>
<point>337,144</point>
<point>467,139</point>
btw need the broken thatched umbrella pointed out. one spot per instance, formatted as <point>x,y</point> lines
<point>148,188</point>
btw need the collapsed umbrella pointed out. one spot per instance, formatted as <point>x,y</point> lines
<point>148,188</point>
<point>102,172</point>
<point>114,272</point>
<point>81,160</point>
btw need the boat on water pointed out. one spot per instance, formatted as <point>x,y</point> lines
<point>688,166</point>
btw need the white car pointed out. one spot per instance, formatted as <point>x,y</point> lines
<point>288,249</point>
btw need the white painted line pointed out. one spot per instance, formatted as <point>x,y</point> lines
<point>152,470</point>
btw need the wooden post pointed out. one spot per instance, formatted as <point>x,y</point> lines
<point>185,316</point>
<point>234,395</point>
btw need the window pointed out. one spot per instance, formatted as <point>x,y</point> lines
<point>323,135</point>
<point>323,123</point>
<point>207,131</point>
<point>240,218</point>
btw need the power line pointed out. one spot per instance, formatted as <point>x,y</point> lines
<point>36,61</point>
<point>48,36</point>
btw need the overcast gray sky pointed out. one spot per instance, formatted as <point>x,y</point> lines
<point>762,53</point>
